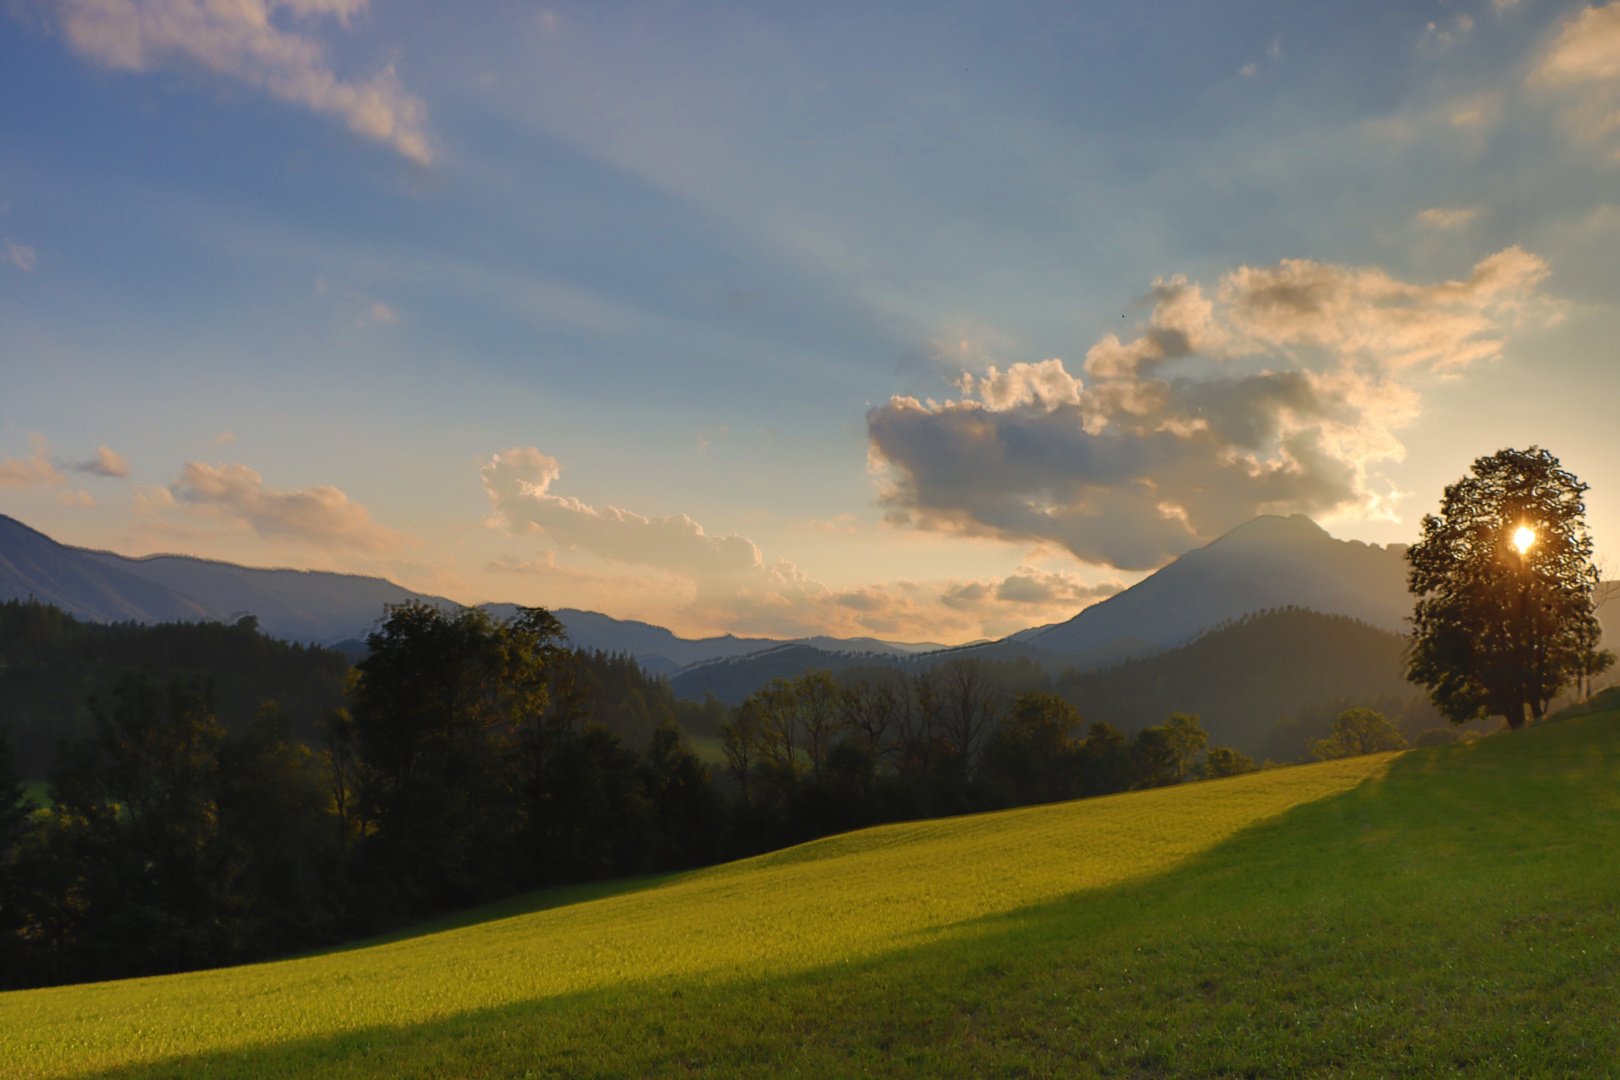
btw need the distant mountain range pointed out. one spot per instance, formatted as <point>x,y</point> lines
<point>1268,563</point>
<point>311,605</point>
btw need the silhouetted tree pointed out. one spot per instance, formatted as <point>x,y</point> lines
<point>1500,626</point>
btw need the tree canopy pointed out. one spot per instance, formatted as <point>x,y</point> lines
<point>1504,579</point>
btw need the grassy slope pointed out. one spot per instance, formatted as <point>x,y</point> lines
<point>1455,914</point>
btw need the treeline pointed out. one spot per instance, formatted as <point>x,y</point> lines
<point>469,763</point>
<point>51,663</point>
<point>814,754</point>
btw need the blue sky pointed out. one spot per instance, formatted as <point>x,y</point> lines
<point>793,318</point>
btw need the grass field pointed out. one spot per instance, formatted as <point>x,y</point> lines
<point>1444,912</point>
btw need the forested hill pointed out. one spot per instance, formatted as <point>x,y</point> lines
<point>51,662</point>
<point>1245,675</point>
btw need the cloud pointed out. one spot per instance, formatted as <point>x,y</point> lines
<point>1583,61</point>
<point>106,463</point>
<point>1281,394</point>
<point>75,498</point>
<point>1438,217</point>
<point>1249,70</point>
<point>36,468</point>
<point>380,313</point>
<point>249,40</point>
<point>1029,586</point>
<point>22,258</point>
<point>1439,38</point>
<point>321,516</point>
<point>728,583</point>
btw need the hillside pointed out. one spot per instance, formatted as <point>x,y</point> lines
<point>1393,915</point>
<point>1244,676</point>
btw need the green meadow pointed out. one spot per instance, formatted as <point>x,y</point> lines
<point>1443,912</point>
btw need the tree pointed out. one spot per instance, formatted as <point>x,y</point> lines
<point>1168,754</point>
<point>1034,752</point>
<point>454,720</point>
<point>970,703</point>
<point>1504,579</point>
<point>1357,732</point>
<point>1224,761</point>
<point>820,717</point>
<point>741,739</point>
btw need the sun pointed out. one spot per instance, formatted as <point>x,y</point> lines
<point>1523,537</point>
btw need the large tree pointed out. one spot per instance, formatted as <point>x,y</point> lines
<point>1504,579</point>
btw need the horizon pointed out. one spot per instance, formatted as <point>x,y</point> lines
<point>918,325</point>
<point>628,619</point>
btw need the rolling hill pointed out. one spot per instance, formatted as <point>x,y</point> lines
<point>1447,911</point>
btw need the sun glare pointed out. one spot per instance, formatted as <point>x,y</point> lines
<point>1523,537</point>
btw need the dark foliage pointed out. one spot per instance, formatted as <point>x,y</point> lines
<point>52,663</point>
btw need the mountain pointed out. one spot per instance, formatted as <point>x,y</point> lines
<point>313,605</point>
<point>298,605</point>
<point>1244,676</point>
<point>1271,562</point>
<point>32,564</point>
<point>733,678</point>
<point>662,653</point>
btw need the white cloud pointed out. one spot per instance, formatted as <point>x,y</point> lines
<point>36,468</point>
<point>321,516</point>
<point>248,40</point>
<point>1249,70</point>
<point>1439,217</point>
<point>106,463</point>
<point>23,258</point>
<point>381,313</point>
<point>1045,385</point>
<point>1282,394</point>
<point>1583,60</point>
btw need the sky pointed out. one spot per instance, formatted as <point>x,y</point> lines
<point>928,322</point>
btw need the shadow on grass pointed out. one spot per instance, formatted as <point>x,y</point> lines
<point>1394,925</point>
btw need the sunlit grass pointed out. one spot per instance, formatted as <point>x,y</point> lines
<point>1444,912</point>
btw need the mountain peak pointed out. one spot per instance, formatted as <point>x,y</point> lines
<point>1270,562</point>
<point>1270,530</point>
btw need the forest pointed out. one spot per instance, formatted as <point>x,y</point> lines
<point>466,758</point>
